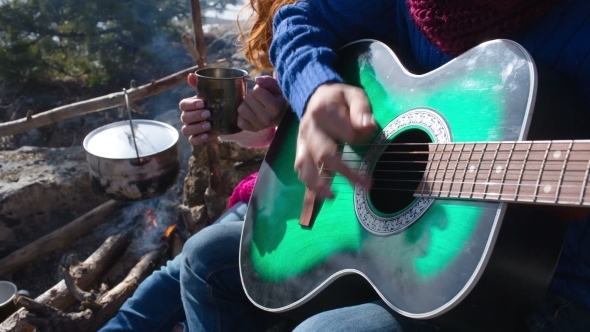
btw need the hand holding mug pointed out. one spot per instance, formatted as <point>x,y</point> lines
<point>263,107</point>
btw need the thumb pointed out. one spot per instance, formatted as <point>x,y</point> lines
<point>269,83</point>
<point>192,80</point>
<point>361,114</point>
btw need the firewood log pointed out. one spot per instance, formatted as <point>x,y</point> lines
<point>85,274</point>
<point>59,238</point>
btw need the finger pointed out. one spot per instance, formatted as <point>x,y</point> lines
<point>361,114</point>
<point>195,129</point>
<point>327,153</point>
<point>262,100</point>
<point>246,125</point>
<point>335,122</point>
<point>192,80</point>
<point>334,164</point>
<point>194,116</point>
<point>247,107</point>
<point>270,84</point>
<point>191,104</point>
<point>308,173</point>
<point>260,97</point>
<point>322,149</point>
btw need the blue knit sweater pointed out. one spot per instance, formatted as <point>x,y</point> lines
<point>306,35</point>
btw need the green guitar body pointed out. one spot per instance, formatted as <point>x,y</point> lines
<point>460,264</point>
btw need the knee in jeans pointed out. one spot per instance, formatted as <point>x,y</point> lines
<point>194,247</point>
<point>209,246</point>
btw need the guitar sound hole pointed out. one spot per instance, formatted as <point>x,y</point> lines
<point>399,171</point>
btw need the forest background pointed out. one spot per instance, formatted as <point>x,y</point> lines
<point>57,52</point>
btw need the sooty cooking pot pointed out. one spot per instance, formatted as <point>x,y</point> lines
<point>129,169</point>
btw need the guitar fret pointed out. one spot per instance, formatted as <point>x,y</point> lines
<point>519,171</point>
<point>455,168</point>
<point>519,181</point>
<point>489,178</point>
<point>450,154</point>
<point>537,186</point>
<point>429,170</point>
<point>483,151</point>
<point>584,183</point>
<point>560,180</point>
<point>501,196</point>
<point>437,168</point>
<point>465,170</point>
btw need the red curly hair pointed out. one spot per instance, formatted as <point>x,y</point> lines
<point>256,42</point>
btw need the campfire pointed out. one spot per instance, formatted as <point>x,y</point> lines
<point>138,238</point>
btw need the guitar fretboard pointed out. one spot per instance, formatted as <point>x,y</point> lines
<point>546,172</point>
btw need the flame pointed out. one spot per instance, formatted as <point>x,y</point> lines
<point>151,218</point>
<point>150,221</point>
<point>169,231</point>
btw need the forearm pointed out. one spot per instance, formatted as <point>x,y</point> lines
<point>303,53</point>
<point>308,34</point>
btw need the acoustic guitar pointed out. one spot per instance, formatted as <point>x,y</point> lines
<point>451,231</point>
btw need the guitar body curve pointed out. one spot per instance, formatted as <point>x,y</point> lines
<point>462,264</point>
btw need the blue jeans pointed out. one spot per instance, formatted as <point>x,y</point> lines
<point>554,314</point>
<point>214,298</point>
<point>211,287</point>
<point>156,305</point>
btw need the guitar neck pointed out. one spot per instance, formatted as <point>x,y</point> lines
<point>543,172</point>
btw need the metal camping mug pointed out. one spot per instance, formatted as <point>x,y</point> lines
<point>222,90</point>
<point>8,291</point>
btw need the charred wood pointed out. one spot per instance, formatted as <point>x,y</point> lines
<point>59,238</point>
<point>112,301</point>
<point>85,274</point>
<point>47,318</point>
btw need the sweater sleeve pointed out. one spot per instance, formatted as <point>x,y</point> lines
<point>303,52</point>
<point>308,33</point>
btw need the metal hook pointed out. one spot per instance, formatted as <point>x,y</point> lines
<point>131,122</point>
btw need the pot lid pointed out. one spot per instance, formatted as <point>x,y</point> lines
<point>115,141</point>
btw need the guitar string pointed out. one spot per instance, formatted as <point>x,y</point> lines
<point>478,170</point>
<point>457,195</point>
<point>481,162</point>
<point>450,183</point>
<point>460,152</point>
<point>474,162</point>
<point>541,144</point>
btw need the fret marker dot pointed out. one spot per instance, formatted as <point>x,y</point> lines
<point>556,154</point>
<point>547,189</point>
<point>499,169</point>
<point>471,169</point>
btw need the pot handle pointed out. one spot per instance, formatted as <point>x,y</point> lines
<point>131,123</point>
